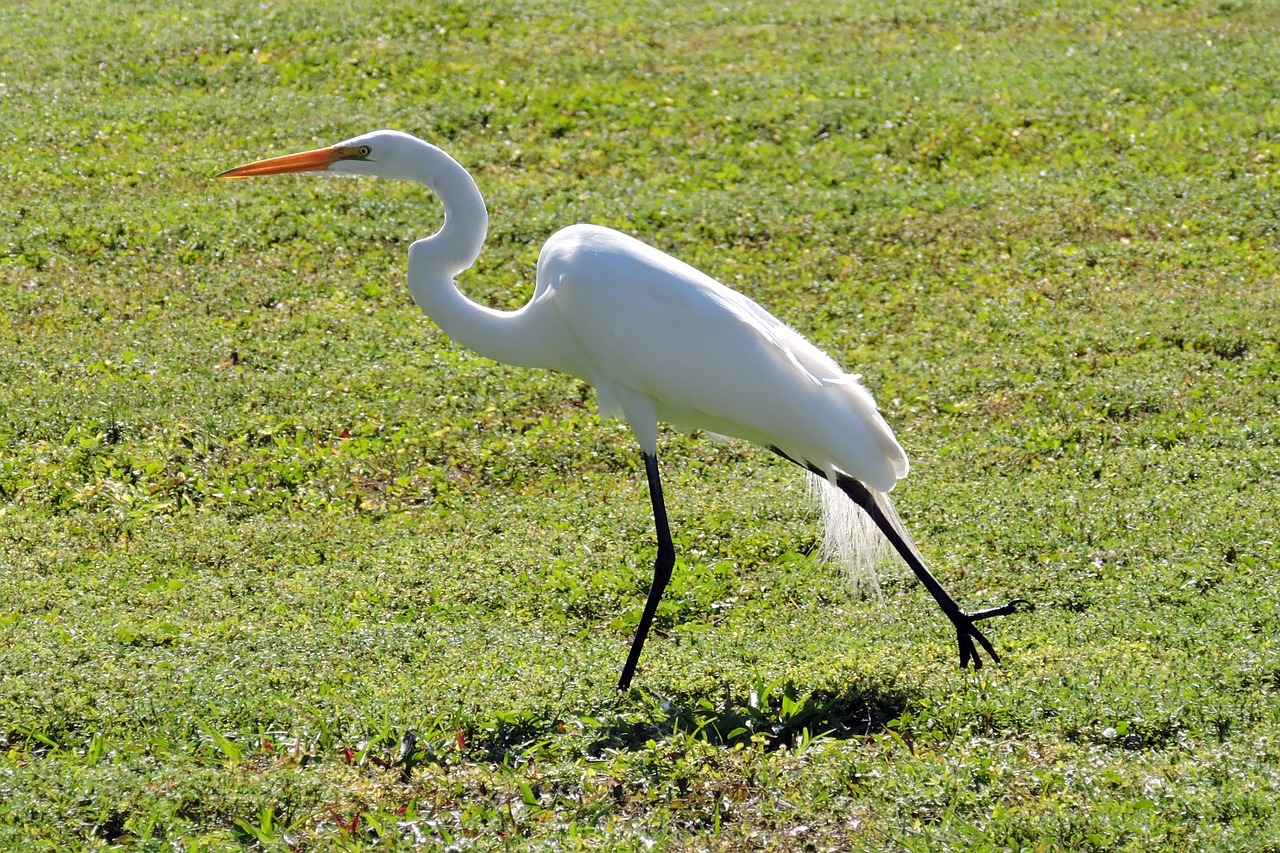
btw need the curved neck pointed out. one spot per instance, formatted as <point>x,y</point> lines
<point>435,261</point>
<point>457,244</point>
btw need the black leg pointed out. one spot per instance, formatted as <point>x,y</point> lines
<point>662,566</point>
<point>966,630</point>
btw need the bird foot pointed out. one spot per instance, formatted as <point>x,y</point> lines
<point>967,631</point>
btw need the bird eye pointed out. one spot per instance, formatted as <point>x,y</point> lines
<point>355,152</point>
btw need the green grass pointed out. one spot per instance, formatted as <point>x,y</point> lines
<point>259,519</point>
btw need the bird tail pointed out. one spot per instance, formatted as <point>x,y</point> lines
<point>850,538</point>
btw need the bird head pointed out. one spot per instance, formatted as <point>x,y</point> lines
<point>381,153</point>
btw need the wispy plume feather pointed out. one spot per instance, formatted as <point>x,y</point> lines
<point>850,538</point>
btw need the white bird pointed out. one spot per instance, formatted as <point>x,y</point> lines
<point>658,340</point>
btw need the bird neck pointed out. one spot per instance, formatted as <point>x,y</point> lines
<point>457,244</point>
<point>435,261</point>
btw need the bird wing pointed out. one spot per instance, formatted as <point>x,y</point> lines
<point>643,324</point>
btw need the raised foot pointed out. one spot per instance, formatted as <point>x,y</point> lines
<point>967,631</point>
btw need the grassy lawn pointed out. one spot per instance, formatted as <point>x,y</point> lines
<point>260,522</point>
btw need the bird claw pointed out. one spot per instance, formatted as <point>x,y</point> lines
<point>967,631</point>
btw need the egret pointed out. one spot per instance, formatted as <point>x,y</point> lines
<point>658,340</point>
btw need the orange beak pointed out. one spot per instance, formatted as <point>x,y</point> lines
<point>308,161</point>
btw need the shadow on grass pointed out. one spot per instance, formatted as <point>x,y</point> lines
<point>774,713</point>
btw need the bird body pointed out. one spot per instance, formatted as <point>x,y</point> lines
<point>659,341</point>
